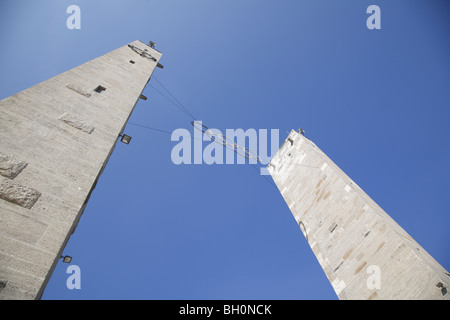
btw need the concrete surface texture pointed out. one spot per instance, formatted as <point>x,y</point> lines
<point>364,253</point>
<point>55,140</point>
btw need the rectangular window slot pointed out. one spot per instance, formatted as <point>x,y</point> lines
<point>99,89</point>
<point>333,226</point>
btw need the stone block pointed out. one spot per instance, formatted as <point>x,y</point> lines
<point>76,123</point>
<point>10,167</point>
<point>17,193</point>
<point>78,90</point>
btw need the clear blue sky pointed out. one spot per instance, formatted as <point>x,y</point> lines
<point>376,101</point>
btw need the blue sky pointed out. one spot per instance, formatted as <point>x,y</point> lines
<point>375,101</point>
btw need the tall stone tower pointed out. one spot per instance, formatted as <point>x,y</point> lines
<point>364,253</point>
<point>55,140</point>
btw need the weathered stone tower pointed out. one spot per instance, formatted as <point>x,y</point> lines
<point>55,140</point>
<point>364,252</point>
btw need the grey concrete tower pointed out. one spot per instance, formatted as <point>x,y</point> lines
<point>364,253</point>
<point>55,140</point>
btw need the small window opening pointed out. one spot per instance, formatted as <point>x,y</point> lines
<point>99,89</point>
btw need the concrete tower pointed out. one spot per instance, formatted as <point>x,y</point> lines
<point>364,253</point>
<point>55,140</point>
